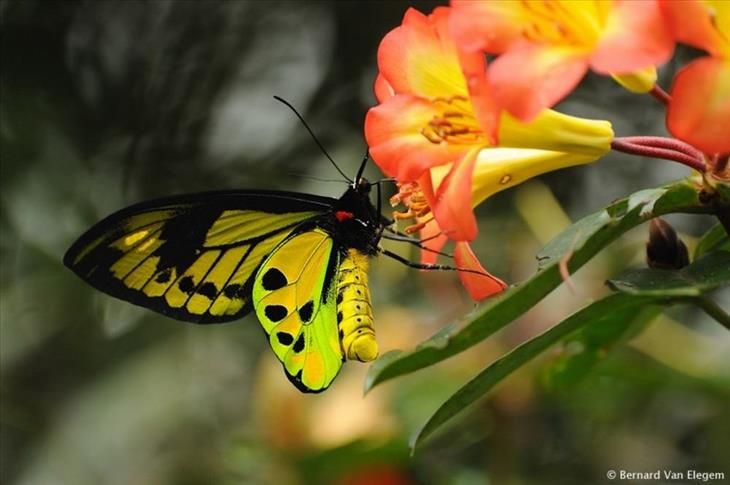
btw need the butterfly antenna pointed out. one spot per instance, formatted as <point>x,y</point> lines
<point>321,147</point>
<point>360,170</point>
<point>312,177</point>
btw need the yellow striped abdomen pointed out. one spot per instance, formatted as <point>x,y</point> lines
<point>354,311</point>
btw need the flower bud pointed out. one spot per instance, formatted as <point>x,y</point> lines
<point>665,250</point>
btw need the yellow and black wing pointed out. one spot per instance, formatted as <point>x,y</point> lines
<point>294,296</point>
<point>191,257</point>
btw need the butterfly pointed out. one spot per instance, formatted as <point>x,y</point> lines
<point>298,261</point>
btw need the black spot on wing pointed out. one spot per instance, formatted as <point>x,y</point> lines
<point>231,290</point>
<point>184,235</point>
<point>186,284</point>
<point>208,290</point>
<point>305,312</point>
<point>299,345</point>
<point>164,276</point>
<point>284,338</point>
<point>273,280</point>
<point>339,297</point>
<point>275,313</point>
<point>339,317</point>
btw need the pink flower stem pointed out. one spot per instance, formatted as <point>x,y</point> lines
<point>660,147</point>
<point>668,143</point>
<point>660,95</point>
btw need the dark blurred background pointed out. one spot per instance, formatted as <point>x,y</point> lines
<point>106,103</point>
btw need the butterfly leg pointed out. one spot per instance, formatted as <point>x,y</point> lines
<point>428,267</point>
<point>380,202</point>
<point>397,236</point>
<point>382,227</point>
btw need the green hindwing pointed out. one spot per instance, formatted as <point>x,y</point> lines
<point>294,299</point>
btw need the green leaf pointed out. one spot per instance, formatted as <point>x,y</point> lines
<point>714,239</point>
<point>577,244</point>
<point>604,312</point>
<point>705,274</point>
<point>590,345</point>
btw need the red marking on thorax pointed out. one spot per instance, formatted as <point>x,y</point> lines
<point>344,215</point>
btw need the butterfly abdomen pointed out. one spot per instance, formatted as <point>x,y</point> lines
<point>354,311</point>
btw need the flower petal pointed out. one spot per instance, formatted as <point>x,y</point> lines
<point>699,112</point>
<point>383,89</point>
<point>453,200</point>
<point>639,82</point>
<point>488,26</point>
<point>420,58</point>
<point>486,110</point>
<point>498,169</point>
<point>393,133</point>
<point>634,37</point>
<point>555,131</point>
<point>699,23</point>
<point>433,239</point>
<point>479,286</point>
<point>529,78</point>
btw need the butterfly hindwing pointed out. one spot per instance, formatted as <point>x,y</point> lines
<point>190,257</point>
<point>294,296</point>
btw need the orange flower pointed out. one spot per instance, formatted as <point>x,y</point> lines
<point>436,128</point>
<point>429,113</point>
<point>699,111</point>
<point>427,118</point>
<point>436,111</point>
<point>547,46</point>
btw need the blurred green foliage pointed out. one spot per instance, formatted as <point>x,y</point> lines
<point>103,104</point>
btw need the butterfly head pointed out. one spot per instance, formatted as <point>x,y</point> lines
<point>362,186</point>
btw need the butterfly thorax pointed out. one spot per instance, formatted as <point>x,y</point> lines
<point>355,223</point>
<point>354,311</point>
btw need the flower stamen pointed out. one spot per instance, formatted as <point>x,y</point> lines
<point>410,195</point>
<point>452,127</point>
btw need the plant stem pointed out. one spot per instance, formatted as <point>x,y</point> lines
<point>660,147</point>
<point>660,95</point>
<point>723,215</point>
<point>714,310</point>
<point>664,142</point>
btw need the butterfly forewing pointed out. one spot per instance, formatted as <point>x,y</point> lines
<point>190,257</point>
